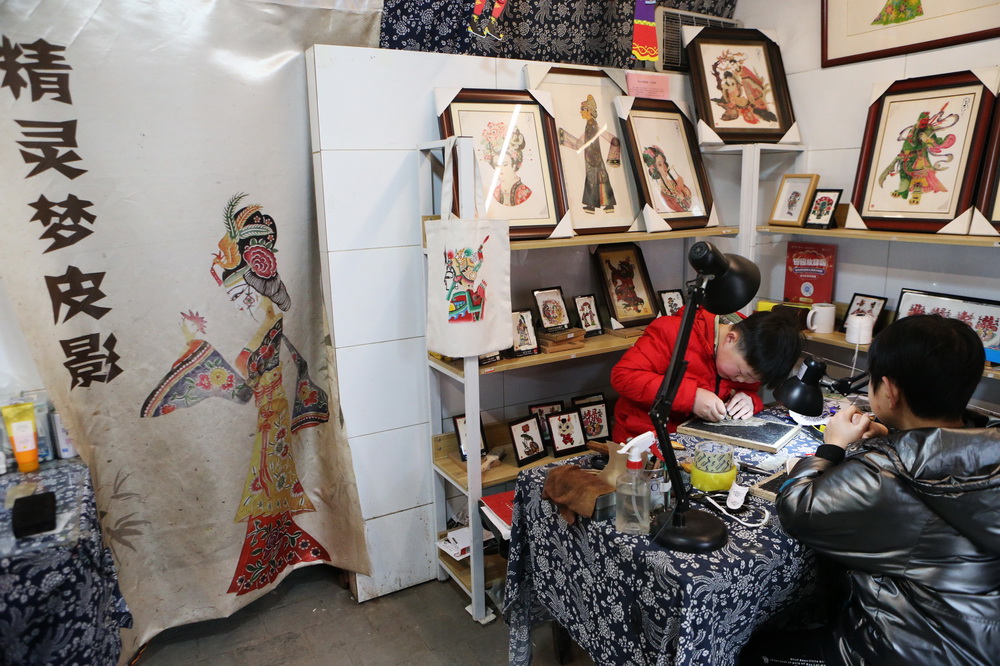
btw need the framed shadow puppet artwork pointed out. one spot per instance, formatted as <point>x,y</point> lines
<point>671,302</point>
<point>600,190</point>
<point>988,195</point>
<point>627,288</point>
<point>791,204</point>
<point>672,180</point>
<point>739,85</point>
<point>586,311</point>
<point>823,209</point>
<point>521,180</point>
<point>553,316</point>
<point>461,434</point>
<point>864,304</point>
<point>981,314</point>
<point>525,341</point>
<point>594,417</point>
<point>567,433</point>
<point>921,152</point>
<point>541,411</point>
<point>526,436</point>
<point>856,30</point>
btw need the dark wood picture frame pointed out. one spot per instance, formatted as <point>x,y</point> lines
<point>626,285</point>
<point>563,425</point>
<point>553,316</point>
<point>668,297</point>
<point>865,303</point>
<point>503,103</point>
<point>526,438</point>
<point>981,314</point>
<point>740,112</point>
<point>892,124</point>
<point>667,163</point>
<point>587,314</point>
<point>541,411</point>
<point>823,209</point>
<point>458,422</point>
<point>899,37</point>
<point>988,189</point>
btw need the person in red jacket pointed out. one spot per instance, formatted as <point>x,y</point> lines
<point>727,363</point>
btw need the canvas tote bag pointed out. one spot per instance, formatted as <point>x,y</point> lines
<point>468,287</point>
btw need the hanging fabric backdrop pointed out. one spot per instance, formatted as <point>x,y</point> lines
<point>160,249</point>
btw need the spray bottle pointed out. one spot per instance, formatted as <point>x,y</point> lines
<point>632,488</point>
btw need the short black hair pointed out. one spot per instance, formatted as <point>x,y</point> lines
<point>770,344</point>
<point>936,362</point>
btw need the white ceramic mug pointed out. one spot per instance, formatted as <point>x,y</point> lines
<point>859,328</point>
<point>821,317</point>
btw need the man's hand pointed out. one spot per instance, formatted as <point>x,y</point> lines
<point>740,406</point>
<point>708,406</point>
<point>849,425</point>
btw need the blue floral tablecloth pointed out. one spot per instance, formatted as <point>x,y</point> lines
<point>626,601</point>
<point>59,596</point>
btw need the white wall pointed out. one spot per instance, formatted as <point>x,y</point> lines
<point>18,371</point>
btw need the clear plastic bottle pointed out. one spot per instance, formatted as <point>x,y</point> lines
<point>632,488</point>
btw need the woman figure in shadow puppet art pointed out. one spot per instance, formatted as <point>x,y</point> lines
<point>272,493</point>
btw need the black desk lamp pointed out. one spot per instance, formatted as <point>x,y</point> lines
<point>725,283</point>
<point>802,393</point>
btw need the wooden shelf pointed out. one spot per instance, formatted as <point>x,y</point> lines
<point>601,344</point>
<point>497,438</point>
<point>839,340</point>
<point>624,237</point>
<point>461,571</point>
<point>864,234</point>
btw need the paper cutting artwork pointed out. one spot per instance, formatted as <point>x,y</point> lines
<point>746,92</point>
<point>272,493</point>
<point>623,281</point>
<point>466,299</point>
<point>673,192</point>
<point>898,11</point>
<point>597,191</point>
<point>922,156</point>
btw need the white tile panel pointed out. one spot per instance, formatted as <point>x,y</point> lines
<point>383,386</point>
<point>796,27</point>
<point>836,168</point>
<point>402,552</point>
<point>974,55</point>
<point>369,199</point>
<point>379,98</point>
<point>377,295</point>
<point>384,485</point>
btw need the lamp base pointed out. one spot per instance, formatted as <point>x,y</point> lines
<point>693,531</point>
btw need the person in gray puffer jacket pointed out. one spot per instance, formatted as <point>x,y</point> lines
<point>912,510</point>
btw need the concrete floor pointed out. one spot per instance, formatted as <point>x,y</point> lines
<point>309,619</point>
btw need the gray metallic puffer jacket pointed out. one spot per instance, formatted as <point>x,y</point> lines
<point>915,517</point>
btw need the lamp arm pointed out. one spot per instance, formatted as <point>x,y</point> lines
<point>659,413</point>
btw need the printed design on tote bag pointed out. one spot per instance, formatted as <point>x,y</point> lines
<point>466,299</point>
<point>272,493</point>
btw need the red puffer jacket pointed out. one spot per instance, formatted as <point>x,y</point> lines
<point>638,375</point>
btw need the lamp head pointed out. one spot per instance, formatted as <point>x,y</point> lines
<point>801,393</point>
<point>734,279</point>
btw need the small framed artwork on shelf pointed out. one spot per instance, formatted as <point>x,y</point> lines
<point>864,304</point>
<point>595,420</point>
<point>586,311</point>
<point>521,177</point>
<point>671,301</point>
<point>541,411</point>
<point>791,205</point>
<point>461,433</point>
<point>567,433</point>
<point>525,342</point>
<point>668,167</point>
<point>588,399</point>
<point>981,314</point>
<point>822,210</point>
<point>552,309</point>
<point>526,436</point>
<point>988,196</point>
<point>922,152</point>
<point>626,283</point>
<point>739,85</point>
